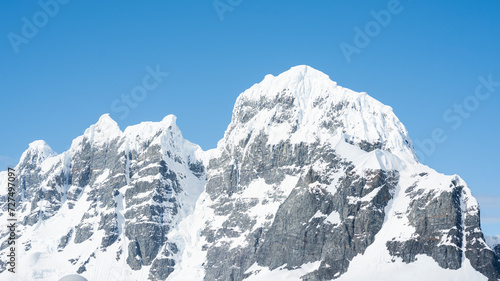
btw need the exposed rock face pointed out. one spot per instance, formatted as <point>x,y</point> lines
<point>310,180</point>
<point>299,179</point>
<point>296,230</point>
<point>446,227</point>
<point>128,188</point>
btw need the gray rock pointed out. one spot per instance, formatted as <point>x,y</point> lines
<point>135,189</point>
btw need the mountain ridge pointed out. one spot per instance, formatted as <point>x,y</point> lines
<point>311,181</point>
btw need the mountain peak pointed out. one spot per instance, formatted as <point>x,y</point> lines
<point>297,76</point>
<point>305,105</point>
<point>39,145</point>
<point>149,129</point>
<point>311,181</point>
<point>105,129</point>
<point>105,121</point>
<point>37,152</point>
<point>170,120</point>
<point>304,71</point>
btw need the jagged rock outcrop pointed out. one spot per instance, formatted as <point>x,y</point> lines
<point>311,181</point>
<point>307,177</point>
<point>124,192</point>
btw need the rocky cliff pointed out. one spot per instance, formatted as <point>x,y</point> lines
<point>106,203</point>
<point>312,181</point>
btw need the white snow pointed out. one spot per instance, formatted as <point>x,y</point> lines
<point>317,101</point>
<point>280,274</point>
<point>261,211</point>
<point>103,176</point>
<point>40,148</point>
<point>318,214</point>
<point>104,130</point>
<point>44,261</point>
<point>373,267</point>
<point>334,218</point>
<point>379,159</point>
<point>187,236</point>
<point>321,112</point>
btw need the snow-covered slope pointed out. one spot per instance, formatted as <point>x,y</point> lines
<point>311,181</point>
<point>304,106</point>
<point>103,208</point>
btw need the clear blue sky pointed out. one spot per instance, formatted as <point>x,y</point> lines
<point>86,54</point>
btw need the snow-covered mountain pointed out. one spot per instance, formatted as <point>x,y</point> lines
<point>311,181</point>
<point>103,207</point>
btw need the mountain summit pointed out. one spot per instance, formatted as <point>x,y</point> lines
<point>311,181</point>
<point>304,105</point>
